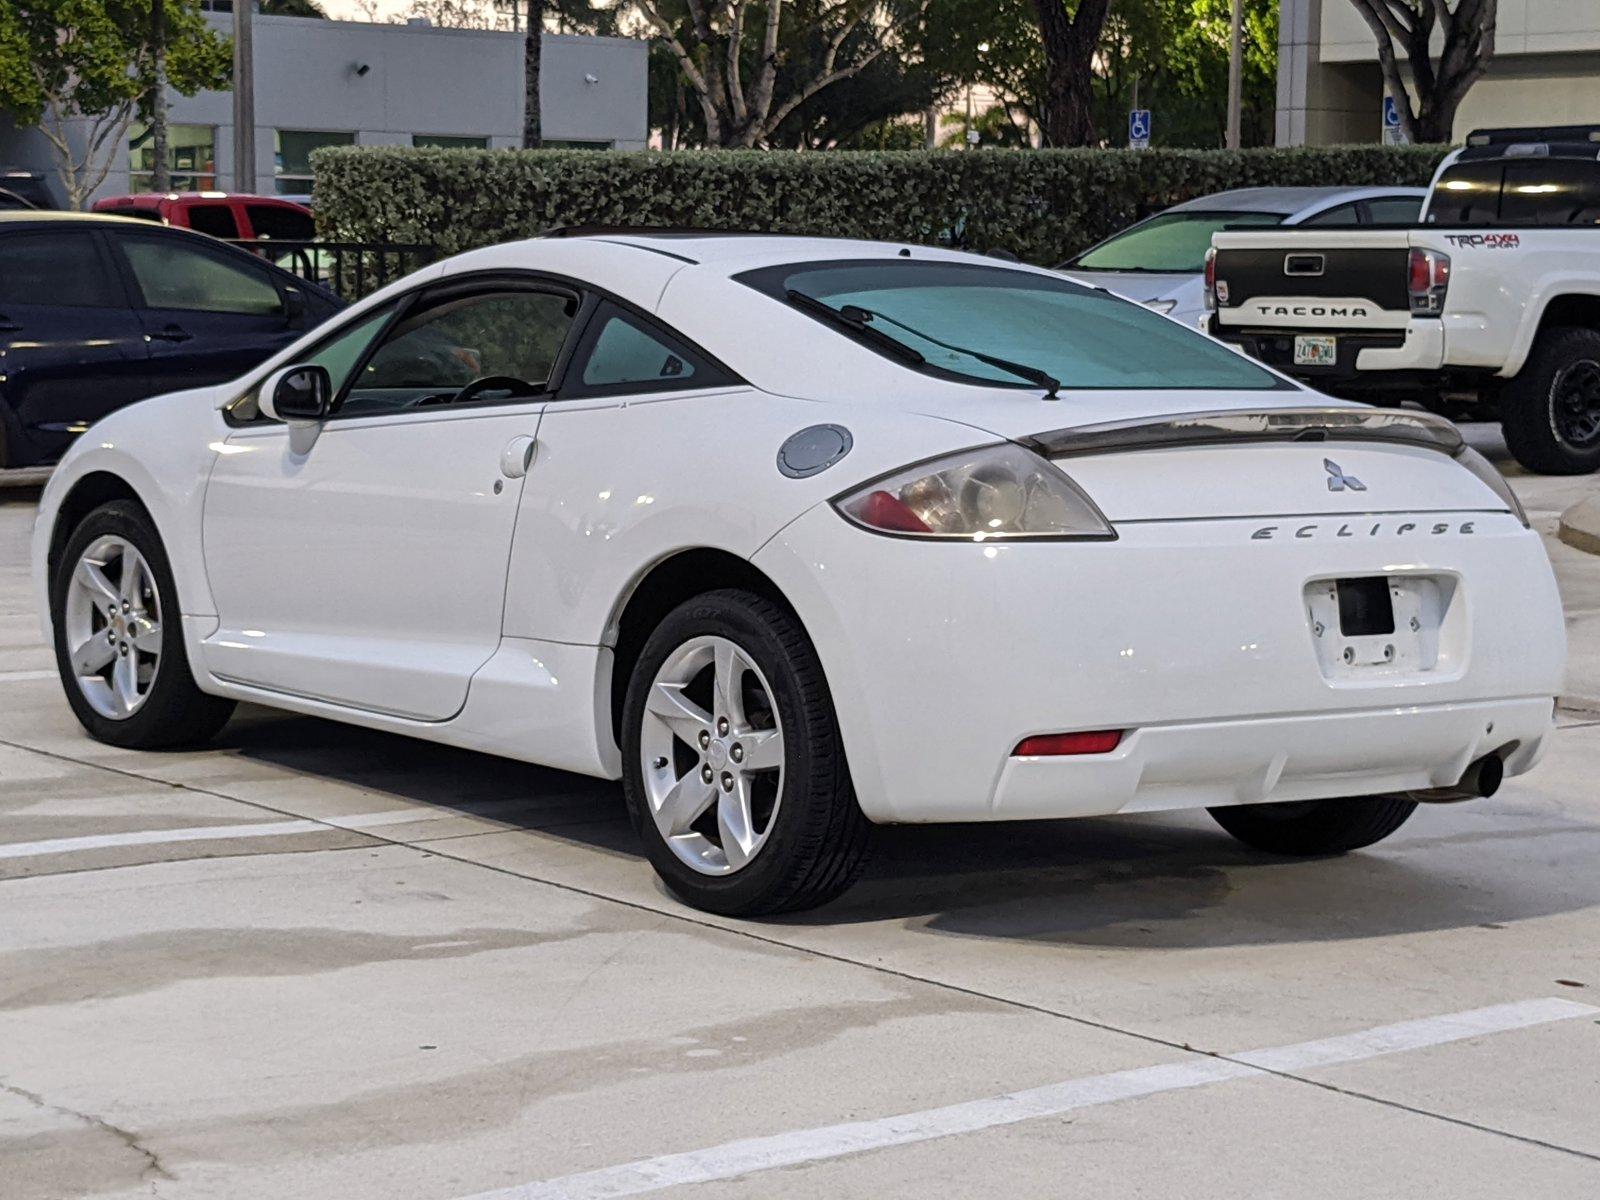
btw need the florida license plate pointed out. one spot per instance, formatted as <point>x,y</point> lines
<point>1312,350</point>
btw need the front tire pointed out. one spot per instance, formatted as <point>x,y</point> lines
<point>733,769</point>
<point>1305,828</point>
<point>119,638</point>
<point>1551,411</point>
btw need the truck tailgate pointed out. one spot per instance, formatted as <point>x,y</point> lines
<point>1308,279</point>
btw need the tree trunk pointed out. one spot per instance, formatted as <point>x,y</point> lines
<point>161,180</point>
<point>1069,46</point>
<point>532,61</point>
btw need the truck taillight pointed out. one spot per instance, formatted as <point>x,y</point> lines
<point>1211,278</point>
<point>1429,280</point>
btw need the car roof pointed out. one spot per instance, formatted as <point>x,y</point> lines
<point>1285,200</point>
<point>730,250</point>
<point>51,217</point>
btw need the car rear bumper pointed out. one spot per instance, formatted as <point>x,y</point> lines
<point>1193,636</point>
<point>1266,759</point>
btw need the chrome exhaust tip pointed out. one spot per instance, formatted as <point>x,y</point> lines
<point>1481,779</point>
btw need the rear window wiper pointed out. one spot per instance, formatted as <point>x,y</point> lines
<point>863,316</point>
<point>877,337</point>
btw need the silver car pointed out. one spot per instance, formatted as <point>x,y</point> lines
<point>1161,260</point>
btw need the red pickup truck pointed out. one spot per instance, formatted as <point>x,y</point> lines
<point>221,214</point>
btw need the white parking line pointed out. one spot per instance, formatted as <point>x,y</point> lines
<point>751,1155</point>
<point>201,833</point>
<point>24,676</point>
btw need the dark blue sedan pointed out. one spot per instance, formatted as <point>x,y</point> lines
<point>97,312</point>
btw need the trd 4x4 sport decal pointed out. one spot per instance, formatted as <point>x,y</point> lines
<point>1485,241</point>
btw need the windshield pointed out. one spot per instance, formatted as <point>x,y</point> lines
<point>950,313</point>
<point>1174,241</point>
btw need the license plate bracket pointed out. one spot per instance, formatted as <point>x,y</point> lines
<point>1366,627</point>
<point>1316,350</point>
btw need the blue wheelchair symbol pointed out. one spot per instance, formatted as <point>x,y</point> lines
<point>1139,125</point>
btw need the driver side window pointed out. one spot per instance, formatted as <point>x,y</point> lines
<point>504,341</point>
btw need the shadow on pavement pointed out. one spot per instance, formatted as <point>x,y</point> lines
<point>1166,881</point>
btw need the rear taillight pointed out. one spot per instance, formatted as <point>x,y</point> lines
<point>1049,745</point>
<point>1428,279</point>
<point>1211,279</point>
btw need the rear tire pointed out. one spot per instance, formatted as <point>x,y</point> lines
<point>1306,828</point>
<point>119,637</point>
<point>1551,411</point>
<point>728,726</point>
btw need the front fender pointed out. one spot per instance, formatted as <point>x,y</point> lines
<point>162,450</point>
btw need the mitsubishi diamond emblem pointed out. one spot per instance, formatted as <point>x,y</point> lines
<point>1338,481</point>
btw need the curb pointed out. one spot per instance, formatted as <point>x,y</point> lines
<point>1580,525</point>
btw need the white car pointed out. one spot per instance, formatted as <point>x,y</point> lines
<point>1161,260</point>
<point>796,536</point>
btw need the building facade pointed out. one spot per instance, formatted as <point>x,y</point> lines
<point>322,83</point>
<point>1545,71</point>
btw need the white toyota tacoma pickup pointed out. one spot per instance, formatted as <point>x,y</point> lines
<point>1488,309</point>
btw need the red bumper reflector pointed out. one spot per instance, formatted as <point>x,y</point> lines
<point>1100,742</point>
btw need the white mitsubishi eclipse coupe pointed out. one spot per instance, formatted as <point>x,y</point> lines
<point>795,536</point>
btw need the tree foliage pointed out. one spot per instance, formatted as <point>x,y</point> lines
<point>83,70</point>
<point>1466,33</point>
<point>747,65</point>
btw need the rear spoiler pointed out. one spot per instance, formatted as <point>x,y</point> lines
<point>1231,427</point>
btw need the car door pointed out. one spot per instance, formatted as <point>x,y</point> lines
<point>366,565</point>
<point>71,347</point>
<point>210,312</point>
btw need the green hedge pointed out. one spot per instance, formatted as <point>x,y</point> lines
<point>1040,205</point>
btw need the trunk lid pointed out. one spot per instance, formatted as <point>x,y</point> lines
<point>1289,462</point>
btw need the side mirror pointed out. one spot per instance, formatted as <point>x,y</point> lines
<point>297,394</point>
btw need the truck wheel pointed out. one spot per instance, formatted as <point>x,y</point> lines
<point>1315,827</point>
<point>1551,410</point>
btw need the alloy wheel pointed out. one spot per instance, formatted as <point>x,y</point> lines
<point>1575,404</point>
<point>713,755</point>
<point>112,623</point>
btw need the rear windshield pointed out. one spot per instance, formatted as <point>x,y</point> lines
<point>1529,191</point>
<point>1171,242</point>
<point>951,313</point>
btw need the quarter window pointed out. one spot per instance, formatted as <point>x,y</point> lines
<point>55,268</point>
<point>1394,210</point>
<point>623,353</point>
<point>172,275</point>
<point>1343,214</point>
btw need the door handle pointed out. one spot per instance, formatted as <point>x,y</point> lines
<point>172,333</point>
<point>518,456</point>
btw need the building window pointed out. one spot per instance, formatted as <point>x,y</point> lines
<point>445,141</point>
<point>191,157</point>
<point>550,144</point>
<point>292,164</point>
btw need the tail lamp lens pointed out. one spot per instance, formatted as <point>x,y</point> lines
<point>1211,278</point>
<point>1428,279</point>
<point>1047,745</point>
<point>991,493</point>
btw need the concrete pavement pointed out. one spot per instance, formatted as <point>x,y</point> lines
<point>316,961</point>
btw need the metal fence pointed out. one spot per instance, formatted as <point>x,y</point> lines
<point>350,270</point>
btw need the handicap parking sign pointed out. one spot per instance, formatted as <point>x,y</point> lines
<point>1139,129</point>
<point>1393,133</point>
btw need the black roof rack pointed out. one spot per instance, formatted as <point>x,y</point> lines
<point>1534,133</point>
